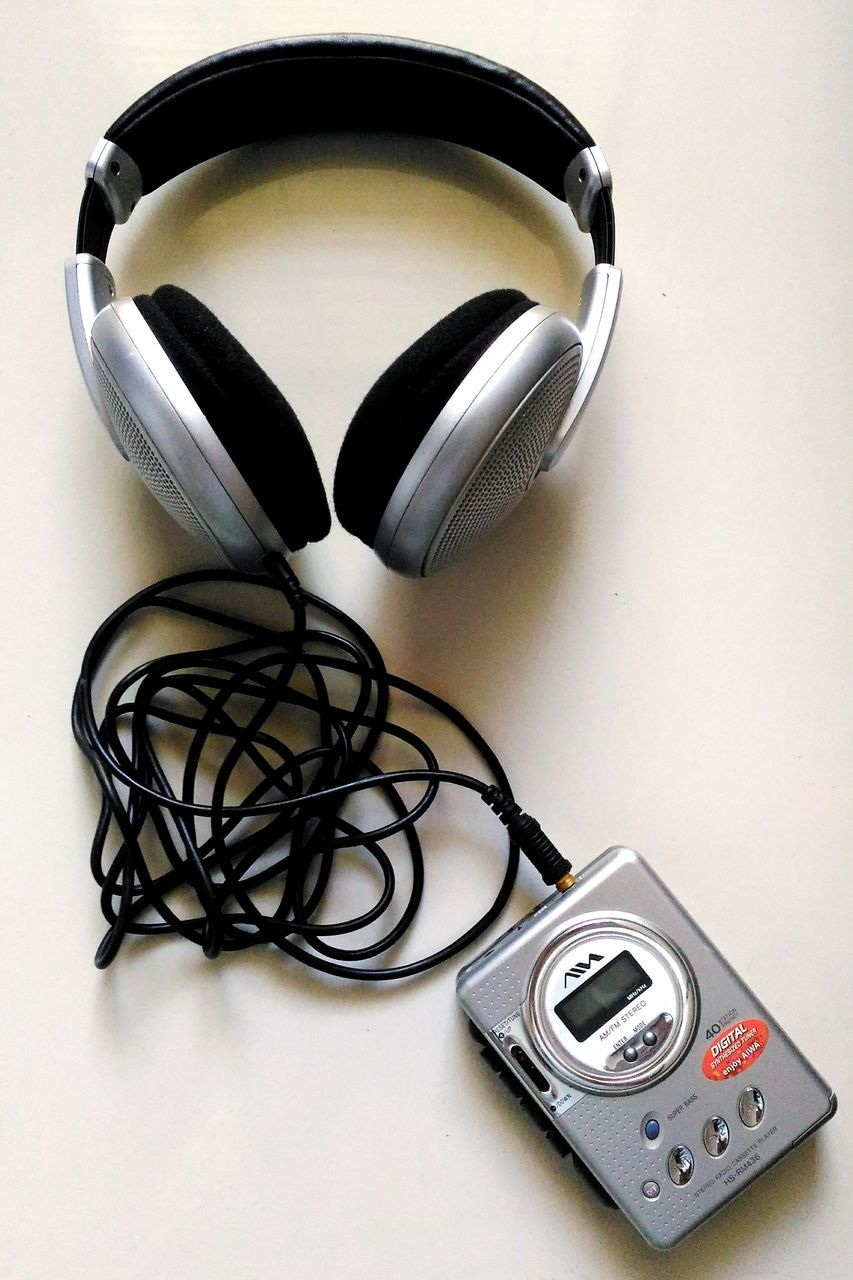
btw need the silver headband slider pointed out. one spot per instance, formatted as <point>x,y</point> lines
<point>117,176</point>
<point>586,177</point>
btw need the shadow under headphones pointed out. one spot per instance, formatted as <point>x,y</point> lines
<point>451,436</point>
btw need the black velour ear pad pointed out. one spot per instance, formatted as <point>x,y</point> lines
<point>399,409</point>
<point>249,414</point>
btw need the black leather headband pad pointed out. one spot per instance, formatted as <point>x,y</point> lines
<point>399,409</point>
<point>249,414</point>
<point>316,84</point>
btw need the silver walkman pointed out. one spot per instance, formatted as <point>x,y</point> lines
<point>641,1048</point>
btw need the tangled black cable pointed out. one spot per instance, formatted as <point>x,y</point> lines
<point>286,827</point>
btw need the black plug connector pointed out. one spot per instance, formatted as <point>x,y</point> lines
<point>526,832</point>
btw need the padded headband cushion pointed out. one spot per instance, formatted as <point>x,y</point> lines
<point>249,414</point>
<point>397,412</point>
<point>320,84</point>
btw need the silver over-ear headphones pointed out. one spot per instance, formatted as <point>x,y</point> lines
<point>453,433</point>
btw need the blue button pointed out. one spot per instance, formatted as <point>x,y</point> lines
<point>652,1130</point>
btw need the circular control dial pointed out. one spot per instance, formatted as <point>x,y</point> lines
<point>611,1004</point>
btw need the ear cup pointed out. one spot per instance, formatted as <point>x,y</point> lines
<point>397,412</point>
<point>248,413</point>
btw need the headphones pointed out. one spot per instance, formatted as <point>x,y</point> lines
<point>451,436</point>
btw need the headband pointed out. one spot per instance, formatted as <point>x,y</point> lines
<point>344,83</point>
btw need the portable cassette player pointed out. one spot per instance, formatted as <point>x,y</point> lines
<point>641,1048</point>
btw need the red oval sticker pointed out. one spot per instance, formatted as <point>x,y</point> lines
<point>736,1049</point>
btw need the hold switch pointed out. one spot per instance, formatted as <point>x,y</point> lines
<point>529,1068</point>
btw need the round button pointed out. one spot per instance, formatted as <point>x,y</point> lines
<point>750,1107</point>
<point>649,1038</point>
<point>651,1189</point>
<point>652,1130</point>
<point>630,1054</point>
<point>715,1135</point>
<point>680,1165</point>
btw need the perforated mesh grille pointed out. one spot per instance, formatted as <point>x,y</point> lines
<point>143,457</point>
<point>510,465</point>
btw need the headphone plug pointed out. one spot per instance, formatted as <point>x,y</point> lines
<point>526,832</point>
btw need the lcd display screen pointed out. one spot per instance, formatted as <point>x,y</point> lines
<point>599,998</point>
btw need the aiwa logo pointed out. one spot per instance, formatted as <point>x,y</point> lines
<point>582,967</point>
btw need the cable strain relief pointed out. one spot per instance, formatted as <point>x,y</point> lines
<point>526,832</point>
<point>287,580</point>
<point>503,805</point>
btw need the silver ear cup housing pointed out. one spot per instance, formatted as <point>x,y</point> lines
<point>481,454</point>
<point>599,307</point>
<point>164,433</point>
<point>89,287</point>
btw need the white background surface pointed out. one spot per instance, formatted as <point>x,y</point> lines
<point>657,644</point>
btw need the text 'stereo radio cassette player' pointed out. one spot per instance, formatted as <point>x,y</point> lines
<point>666,1078</point>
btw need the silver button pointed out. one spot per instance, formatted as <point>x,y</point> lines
<point>750,1107</point>
<point>630,1054</point>
<point>651,1189</point>
<point>649,1038</point>
<point>715,1136</point>
<point>679,1166</point>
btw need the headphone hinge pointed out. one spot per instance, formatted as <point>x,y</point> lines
<point>117,177</point>
<point>585,179</point>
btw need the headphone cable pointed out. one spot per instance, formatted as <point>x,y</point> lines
<point>300,711</point>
